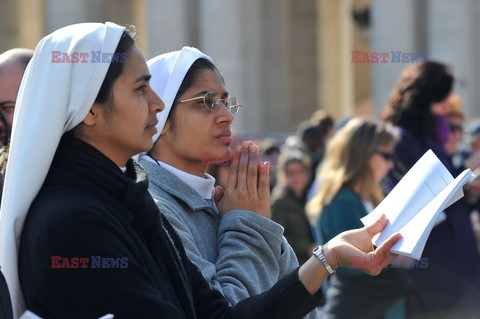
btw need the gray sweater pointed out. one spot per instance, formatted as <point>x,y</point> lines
<point>241,254</point>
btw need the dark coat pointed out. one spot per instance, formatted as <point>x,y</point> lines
<point>290,213</point>
<point>88,208</point>
<point>451,283</point>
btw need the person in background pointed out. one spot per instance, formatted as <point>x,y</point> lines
<point>358,158</point>
<point>314,134</point>
<point>270,151</point>
<point>12,66</point>
<point>288,203</point>
<point>455,119</point>
<point>458,156</point>
<point>472,153</point>
<point>418,107</point>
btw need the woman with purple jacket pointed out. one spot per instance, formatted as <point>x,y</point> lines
<point>418,108</point>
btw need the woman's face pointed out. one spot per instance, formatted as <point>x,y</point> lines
<point>381,162</point>
<point>128,129</point>
<point>456,135</point>
<point>196,132</point>
<point>297,177</point>
<point>441,108</point>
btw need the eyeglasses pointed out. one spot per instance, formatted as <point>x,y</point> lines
<point>212,101</point>
<point>455,128</point>
<point>388,156</point>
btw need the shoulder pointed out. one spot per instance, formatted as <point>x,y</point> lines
<point>61,212</point>
<point>407,143</point>
<point>346,197</point>
<point>281,200</point>
<point>65,200</point>
<point>345,203</point>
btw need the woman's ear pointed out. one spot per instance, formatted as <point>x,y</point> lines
<point>93,115</point>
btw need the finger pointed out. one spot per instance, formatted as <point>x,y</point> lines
<point>218,194</point>
<point>264,181</point>
<point>252,170</point>
<point>233,171</point>
<point>242,168</point>
<point>383,251</point>
<point>378,226</point>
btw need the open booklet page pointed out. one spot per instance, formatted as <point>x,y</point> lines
<point>414,205</point>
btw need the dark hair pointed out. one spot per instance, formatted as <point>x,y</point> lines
<point>197,67</point>
<point>418,87</point>
<point>116,67</point>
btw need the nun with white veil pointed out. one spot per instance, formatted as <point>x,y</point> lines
<point>76,212</point>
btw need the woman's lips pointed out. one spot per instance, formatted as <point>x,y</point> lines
<point>225,137</point>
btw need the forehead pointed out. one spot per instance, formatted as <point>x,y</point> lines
<point>386,146</point>
<point>295,166</point>
<point>209,79</point>
<point>135,65</point>
<point>10,79</point>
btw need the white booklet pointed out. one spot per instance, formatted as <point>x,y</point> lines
<point>416,204</point>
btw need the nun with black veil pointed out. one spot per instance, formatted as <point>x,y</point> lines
<point>80,236</point>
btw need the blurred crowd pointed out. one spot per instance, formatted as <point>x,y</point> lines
<point>331,173</point>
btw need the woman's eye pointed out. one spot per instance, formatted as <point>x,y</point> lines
<point>143,89</point>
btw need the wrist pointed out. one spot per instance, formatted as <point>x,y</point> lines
<point>319,253</point>
<point>330,256</point>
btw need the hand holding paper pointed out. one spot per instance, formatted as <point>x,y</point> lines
<point>414,205</point>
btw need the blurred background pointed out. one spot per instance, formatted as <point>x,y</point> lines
<point>284,59</point>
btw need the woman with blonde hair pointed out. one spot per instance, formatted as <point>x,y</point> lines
<point>358,158</point>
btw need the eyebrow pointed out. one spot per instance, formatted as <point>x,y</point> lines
<point>144,77</point>
<point>201,93</point>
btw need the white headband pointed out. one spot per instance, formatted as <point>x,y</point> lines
<point>53,98</point>
<point>168,71</point>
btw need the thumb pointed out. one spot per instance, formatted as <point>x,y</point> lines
<point>378,226</point>
<point>218,194</point>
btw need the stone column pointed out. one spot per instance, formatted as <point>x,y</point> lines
<point>229,33</point>
<point>59,13</point>
<point>31,22</point>
<point>394,27</point>
<point>453,39</point>
<point>302,57</point>
<point>170,25</point>
<point>335,37</point>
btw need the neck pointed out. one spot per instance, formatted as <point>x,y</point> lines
<point>357,188</point>
<point>189,166</point>
<point>297,194</point>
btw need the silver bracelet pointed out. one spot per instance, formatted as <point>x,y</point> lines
<point>318,251</point>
